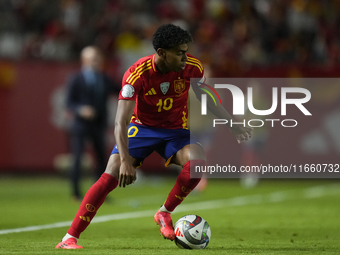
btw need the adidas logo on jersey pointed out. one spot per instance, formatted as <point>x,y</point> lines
<point>151,92</point>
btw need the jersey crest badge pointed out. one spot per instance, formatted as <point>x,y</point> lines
<point>165,87</point>
<point>179,86</point>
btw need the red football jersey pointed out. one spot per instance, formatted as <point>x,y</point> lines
<point>161,99</point>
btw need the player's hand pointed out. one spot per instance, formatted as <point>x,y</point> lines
<point>127,174</point>
<point>87,112</point>
<point>241,133</point>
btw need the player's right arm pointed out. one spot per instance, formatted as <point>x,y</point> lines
<point>127,173</point>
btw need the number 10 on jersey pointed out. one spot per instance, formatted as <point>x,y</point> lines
<point>165,104</point>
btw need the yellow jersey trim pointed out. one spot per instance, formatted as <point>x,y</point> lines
<point>140,73</point>
<point>137,70</point>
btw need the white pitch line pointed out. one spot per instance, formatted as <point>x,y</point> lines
<point>35,228</point>
<point>313,192</point>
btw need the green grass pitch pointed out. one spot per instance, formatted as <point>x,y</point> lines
<point>274,217</point>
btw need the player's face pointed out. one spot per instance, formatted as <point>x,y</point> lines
<point>175,59</point>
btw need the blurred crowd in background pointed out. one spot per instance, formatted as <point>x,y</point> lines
<point>228,34</point>
<point>41,41</point>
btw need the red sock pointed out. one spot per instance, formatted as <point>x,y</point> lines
<point>93,199</point>
<point>184,185</point>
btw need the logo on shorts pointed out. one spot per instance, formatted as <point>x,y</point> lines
<point>128,91</point>
<point>165,87</point>
<point>179,86</point>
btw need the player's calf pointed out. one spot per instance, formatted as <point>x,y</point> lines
<point>184,185</point>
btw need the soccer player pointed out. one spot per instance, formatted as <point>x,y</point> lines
<point>152,116</point>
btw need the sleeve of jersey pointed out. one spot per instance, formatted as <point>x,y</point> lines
<point>131,86</point>
<point>197,70</point>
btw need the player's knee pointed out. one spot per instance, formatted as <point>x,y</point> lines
<point>197,152</point>
<point>113,166</point>
<point>197,162</point>
<point>188,153</point>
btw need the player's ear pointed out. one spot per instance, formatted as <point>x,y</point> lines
<point>161,52</point>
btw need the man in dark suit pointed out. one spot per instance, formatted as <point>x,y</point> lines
<point>87,96</point>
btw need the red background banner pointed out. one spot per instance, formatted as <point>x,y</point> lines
<point>29,141</point>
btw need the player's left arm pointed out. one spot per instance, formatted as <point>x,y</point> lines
<point>240,132</point>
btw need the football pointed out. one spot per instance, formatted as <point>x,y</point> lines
<point>192,232</point>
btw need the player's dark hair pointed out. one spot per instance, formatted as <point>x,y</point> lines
<point>168,36</point>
